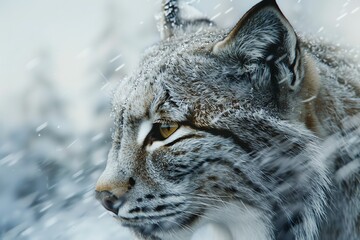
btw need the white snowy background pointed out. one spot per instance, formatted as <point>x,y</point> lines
<point>59,61</point>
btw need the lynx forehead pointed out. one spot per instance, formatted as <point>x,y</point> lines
<point>235,130</point>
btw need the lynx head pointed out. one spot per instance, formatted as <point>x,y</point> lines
<point>205,124</point>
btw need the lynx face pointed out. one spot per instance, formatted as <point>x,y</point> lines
<point>205,133</point>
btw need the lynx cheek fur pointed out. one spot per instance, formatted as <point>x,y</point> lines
<point>233,128</point>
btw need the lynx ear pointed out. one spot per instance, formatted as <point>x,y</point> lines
<point>264,35</point>
<point>180,18</point>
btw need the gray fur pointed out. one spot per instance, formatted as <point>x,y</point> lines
<point>249,144</point>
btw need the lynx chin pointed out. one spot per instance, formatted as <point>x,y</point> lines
<point>253,131</point>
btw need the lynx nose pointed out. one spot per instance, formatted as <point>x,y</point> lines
<point>112,194</point>
<point>109,201</point>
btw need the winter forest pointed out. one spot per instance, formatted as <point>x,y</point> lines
<point>59,64</point>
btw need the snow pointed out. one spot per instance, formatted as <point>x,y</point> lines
<point>120,67</point>
<point>229,10</point>
<point>42,126</point>
<point>347,170</point>
<point>59,62</point>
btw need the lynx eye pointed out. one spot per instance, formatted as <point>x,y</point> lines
<point>167,129</point>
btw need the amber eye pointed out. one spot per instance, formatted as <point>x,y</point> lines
<point>167,129</point>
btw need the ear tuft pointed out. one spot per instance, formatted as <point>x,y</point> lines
<point>181,18</point>
<point>170,18</point>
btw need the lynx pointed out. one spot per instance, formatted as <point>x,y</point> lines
<point>253,130</point>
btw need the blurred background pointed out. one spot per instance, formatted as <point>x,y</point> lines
<point>59,63</point>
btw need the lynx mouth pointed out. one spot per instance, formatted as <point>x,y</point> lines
<point>139,219</point>
<point>150,225</point>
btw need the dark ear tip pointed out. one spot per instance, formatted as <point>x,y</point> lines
<point>270,1</point>
<point>262,5</point>
<point>265,3</point>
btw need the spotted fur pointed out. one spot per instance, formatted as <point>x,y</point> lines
<point>268,145</point>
